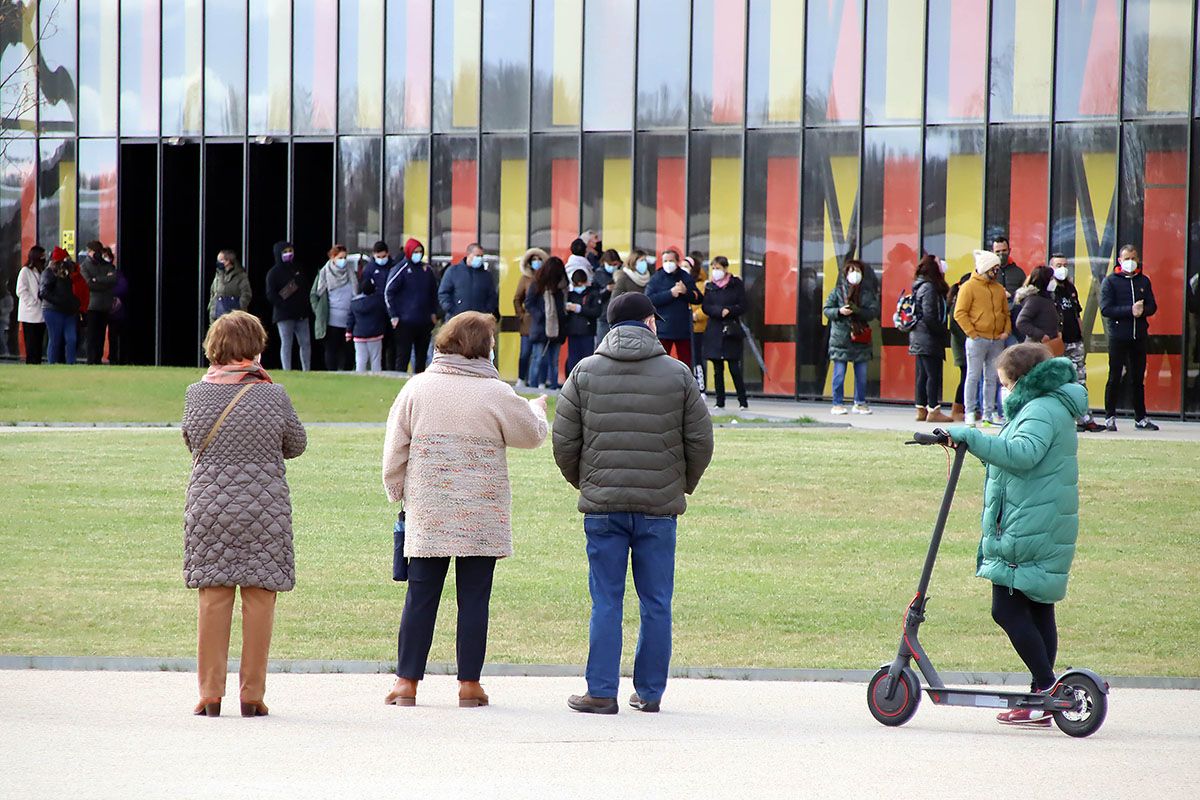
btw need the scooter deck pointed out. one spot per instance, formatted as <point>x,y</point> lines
<point>990,698</point>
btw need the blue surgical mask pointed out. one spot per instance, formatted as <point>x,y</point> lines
<point>476,262</point>
<point>579,289</point>
<point>340,263</point>
<point>610,268</point>
<point>418,257</point>
<point>381,260</point>
<point>535,265</point>
<point>641,266</point>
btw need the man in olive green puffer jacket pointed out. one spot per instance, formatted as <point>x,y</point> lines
<point>632,433</point>
<point>1031,506</point>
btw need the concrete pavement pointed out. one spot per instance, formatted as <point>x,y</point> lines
<point>109,735</point>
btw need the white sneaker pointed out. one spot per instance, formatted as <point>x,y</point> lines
<point>971,420</point>
<point>838,411</point>
<point>996,419</point>
<point>521,384</point>
<point>863,409</point>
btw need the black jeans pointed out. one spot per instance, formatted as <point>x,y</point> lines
<point>97,325</point>
<point>739,383</point>
<point>1126,360</point>
<point>929,381</point>
<point>337,350</point>
<point>405,339</point>
<point>1031,629</point>
<point>117,345</point>
<point>962,384</point>
<point>35,341</point>
<point>426,576</point>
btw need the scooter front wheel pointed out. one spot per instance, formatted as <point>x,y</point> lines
<point>1091,706</point>
<point>904,702</point>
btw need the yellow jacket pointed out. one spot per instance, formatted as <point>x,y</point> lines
<point>699,318</point>
<point>982,309</point>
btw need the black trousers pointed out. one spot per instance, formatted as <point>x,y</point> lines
<point>473,584</point>
<point>739,383</point>
<point>97,325</point>
<point>337,350</point>
<point>1031,629</point>
<point>35,341</point>
<point>407,337</point>
<point>116,342</point>
<point>962,385</point>
<point>1126,361</point>
<point>929,381</point>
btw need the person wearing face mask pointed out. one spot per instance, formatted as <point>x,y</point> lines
<point>1127,302</point>
<point>583,308</point>
<point>545,302</point>
<point>287,291</point>
<point>101,280</point>
<point>634,275</point>
<point>724,340</point>
<point>531,262</point>
<point>673,293</point>
<point>1011,277</point>
<point>410,296</point>
<point>230,290</point>
<point>469,286</point>
<point>1038,320</point>
<point>578,259</point>
<point>850,308</point>
<point>593,248</point>
<point>1070,312</point>
<point>1030,516</point>
<point>697,267</point>
<point>331,295</point>
<point>981,310</point>
<point>603,280</point>
<point>30,309</point>
<point>928,339</point>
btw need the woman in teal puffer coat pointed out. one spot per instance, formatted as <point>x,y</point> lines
<point>1030,506</point>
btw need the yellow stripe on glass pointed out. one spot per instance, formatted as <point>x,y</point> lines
<point>616,206</point>
<point>964,221</point>
<point>1100,174</point>
<point>416,201</point>
<point>845,181</point>
<point>905,59</point>
<point>193,99</point>
<point>370,72</point>
<point>514,234</point>
<point>1168,65</point>
<point>1033,48</point>
<point>725,212</point>
<point>568,62</point>
<point>785,87</point>
<point>467,30</point>
<point>279,66</point>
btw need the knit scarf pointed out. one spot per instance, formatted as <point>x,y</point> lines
<point>551,309</point>
<point>336,278</point>
<point>246,371</point>
<point>454,364</point>
<point>637,277</point>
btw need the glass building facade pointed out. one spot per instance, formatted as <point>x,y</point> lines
<point>785,135</point>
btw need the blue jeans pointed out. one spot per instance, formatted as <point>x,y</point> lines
<point>610,540</point>
<point>860,382</point>
<point>63,330</point>
<point>543,365</point>
<point>523,359</point>
<point>294,329</point>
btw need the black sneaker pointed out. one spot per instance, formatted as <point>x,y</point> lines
<point>1144,424</point>
<point>1091,426</point>
<point>1110,424</point>
<point>586,704</point>
<point>642,705</point>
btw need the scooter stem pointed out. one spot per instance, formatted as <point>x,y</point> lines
<point>960,453</point>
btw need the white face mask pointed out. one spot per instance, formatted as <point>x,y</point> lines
<point>1060,273</point>
<point>718,275</point>
<point>669,267</point>
<point>492,354</point>
<point>1004,393</point>
<point>1051,286</point>
<point>1129,266</point>
<point>854,278</point>
<point>943,266</point>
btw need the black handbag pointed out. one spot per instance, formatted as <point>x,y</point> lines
<point>399,562</point>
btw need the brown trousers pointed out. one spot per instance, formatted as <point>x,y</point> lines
<point>212,651</point>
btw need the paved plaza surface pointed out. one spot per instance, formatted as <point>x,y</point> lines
<point>131,735</point>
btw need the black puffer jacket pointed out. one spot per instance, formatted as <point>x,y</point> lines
<point>931,336</point>
<point>723,336</point>
<point>287,289</point>
<point>57,293</point>
<point>631,431</point>
<point>1038,317</point>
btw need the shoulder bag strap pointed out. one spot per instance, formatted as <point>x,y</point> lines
<point>212,434</point>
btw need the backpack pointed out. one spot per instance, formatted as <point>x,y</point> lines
<point>908,313</point>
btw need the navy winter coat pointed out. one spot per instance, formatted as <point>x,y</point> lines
<point>536,308</point>
<point>583,323</point>
<point>1118,293</point>
<point>724,337</point>
<point>368,316</point>
<point>465,288</point>
<point>412,293</point>
<point>676,312</point>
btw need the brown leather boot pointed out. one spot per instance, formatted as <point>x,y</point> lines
<point>922,412</point>
<point>254,709</point>
<point>471,695</point>
<point>208,707</point>
<point>935,415</point>
<point>957,412</point>
<point>404,693</point>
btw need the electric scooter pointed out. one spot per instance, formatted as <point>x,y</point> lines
<point>1078,701</point>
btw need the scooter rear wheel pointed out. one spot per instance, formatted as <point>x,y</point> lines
<point>1091,707</point>
<point>904,702</point>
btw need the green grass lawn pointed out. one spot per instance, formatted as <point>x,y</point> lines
<point>801,550</point>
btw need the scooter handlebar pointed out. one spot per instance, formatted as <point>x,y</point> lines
<point>939,436</point>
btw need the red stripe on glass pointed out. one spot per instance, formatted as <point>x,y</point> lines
<point>782,240</point>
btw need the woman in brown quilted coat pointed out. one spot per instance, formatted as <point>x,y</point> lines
<point>239,427</point>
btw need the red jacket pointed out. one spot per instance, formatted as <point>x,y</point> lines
<point>79,287</point>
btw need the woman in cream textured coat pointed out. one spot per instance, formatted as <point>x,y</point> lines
<point>444,457</point>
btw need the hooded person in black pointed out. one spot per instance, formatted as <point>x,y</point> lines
<point>287,290</point>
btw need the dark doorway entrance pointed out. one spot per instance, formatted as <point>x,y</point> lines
<point>137,248</point>
<point>266,224</point>
<point>223,187</point>
<point>312,211</point>
<point>180,300</point>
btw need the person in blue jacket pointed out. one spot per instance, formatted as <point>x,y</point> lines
<point>366,325</point>
<point>583,309</point>
<point>673,293</point>
<point>545,302</point>
<point>411,296</point>
<point>1127,302</point>
<point>468,286</point>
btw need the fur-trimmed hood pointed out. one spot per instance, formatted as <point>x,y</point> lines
<point>1025,292</point>
<point>530,254</point>
<point>1056,378</point>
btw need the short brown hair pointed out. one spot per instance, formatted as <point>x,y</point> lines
<point>337,248</point>
<point>233,337</point>
<point>1016,361</point>
<point>470,334</point>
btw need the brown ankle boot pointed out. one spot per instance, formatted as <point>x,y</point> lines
<point>404,693</point>
<point>471,695</point>
<point>935,415</point>
<point>921,413</point>
<point>957,412</point>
